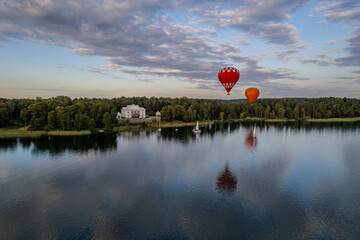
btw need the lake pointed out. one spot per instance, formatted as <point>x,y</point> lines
<point>292,181</point>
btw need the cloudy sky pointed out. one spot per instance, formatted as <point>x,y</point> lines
<point>111,48</point>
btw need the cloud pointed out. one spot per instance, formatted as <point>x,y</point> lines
<point>322,55</point>
<point>353,49</point>
<point>243,42</point>
<point>141,38</point>
<point>257,18</point>
<point>146,80</point>
<point>284,54</point>
<point>330,42</point>
<point>350,80</point>
<point>347,11</point>
<point>320,62</point>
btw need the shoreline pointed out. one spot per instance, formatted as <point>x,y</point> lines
<point>23,133</point>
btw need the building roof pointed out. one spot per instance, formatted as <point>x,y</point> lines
<point>133,107</point>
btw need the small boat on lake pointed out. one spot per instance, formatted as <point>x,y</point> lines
<point>197,129</point>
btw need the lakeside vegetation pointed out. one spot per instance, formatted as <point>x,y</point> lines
<point>22,132</point>
<point>355,119</point>
<point>63,115</point>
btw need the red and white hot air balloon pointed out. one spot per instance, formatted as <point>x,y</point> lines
<point>228,77</point>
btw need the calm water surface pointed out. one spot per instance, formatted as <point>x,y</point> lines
<point>293,181</point>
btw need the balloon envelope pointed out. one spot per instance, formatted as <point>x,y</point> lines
<point>228,77</point>
<point>252,94</point>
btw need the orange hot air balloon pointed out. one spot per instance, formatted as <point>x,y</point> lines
<point>252,94</point>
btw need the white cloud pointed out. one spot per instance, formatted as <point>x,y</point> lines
<point>330,42</point>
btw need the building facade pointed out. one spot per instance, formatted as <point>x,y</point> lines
<point>133,111</point>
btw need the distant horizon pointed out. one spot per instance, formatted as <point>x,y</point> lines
<point>173,48</point>
<point>222,99</point>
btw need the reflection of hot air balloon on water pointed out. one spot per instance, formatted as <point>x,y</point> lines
<point>228,77</point>
<point>250,140</point>
<point>252,94</point>
<point>226,182</point>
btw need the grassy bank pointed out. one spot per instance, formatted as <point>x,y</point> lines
<point>24,133</point>
<point>180,124</point>
<point>355,119</point>
<point>129,127</point>
<point>267,120</point>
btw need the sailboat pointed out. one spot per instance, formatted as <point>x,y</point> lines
<point>197,129</point>
<point>254,133</point>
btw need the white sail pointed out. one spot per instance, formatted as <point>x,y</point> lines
<point>197,129</point>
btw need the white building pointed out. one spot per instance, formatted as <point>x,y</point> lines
<point>118,116</point>
<point>133,111</point>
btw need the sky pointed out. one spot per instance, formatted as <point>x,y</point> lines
<point>163,48</point>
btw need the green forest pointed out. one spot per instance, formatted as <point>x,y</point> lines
<point>64,113</point>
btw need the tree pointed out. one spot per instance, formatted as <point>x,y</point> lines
<point>39,114</point>
<point>11,107</point>
<point>289,113</point>
<point>281,112</point>
<point>65,121</point>
<point>192,114</point>
<point>267,112</point>
<point>349,113</point>
<point>328,114</point>
<point>113,114</point>
<point>24,115</point>
<point>78,123</point>
<point>4,117</point>
<point>179,112</point>
<point>221,116</point>
<point>167,113</point>
<point>52,123</point>
<point>92,125</point>
<point>259,110</point>
<point>296,112</point>
<point>64,113</point>
<point>108,122</point>
<point>272,114</point>
<point>303,113</point>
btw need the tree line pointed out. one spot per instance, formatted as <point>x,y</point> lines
<point>64,113</point>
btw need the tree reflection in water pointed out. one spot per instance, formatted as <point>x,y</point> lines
<point>57,145</point>
<point>226,181</point>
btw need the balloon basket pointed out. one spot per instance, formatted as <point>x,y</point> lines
<point>228,93</point>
